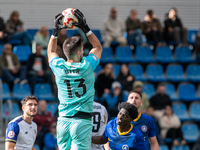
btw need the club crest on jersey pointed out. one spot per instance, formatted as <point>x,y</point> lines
<point>125,147</point>
<point>144,128</point>
<point>11,134</point>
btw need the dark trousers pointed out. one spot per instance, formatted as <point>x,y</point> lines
<point>175,133</point>
<point>178,35</point>
<point>154,36</point>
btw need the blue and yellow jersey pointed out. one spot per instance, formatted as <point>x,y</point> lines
<point>130,140</point>
<point>146,125</point>
<point>75,82</point>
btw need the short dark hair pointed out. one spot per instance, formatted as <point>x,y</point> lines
<point>25,99</point>
<point>134,91</point>
<point>133,112</point>
<point>150,12</point>
<point>71,46</point>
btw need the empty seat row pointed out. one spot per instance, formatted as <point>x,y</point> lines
<point>41,91</point>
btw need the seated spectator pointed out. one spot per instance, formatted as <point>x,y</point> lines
<point>37,67</point>
<point>174,29</point>
<point>3,35</point>
<point>113,99</point>
<point>62,37</point>
<point>43,119</point>
<point>125,78</point>
<point>134,28</point>
<point>152,28</point>
<point>104,80</point>
<point>12,71</point>
<point>113,29</point>
<point>137,86</point>
<point>42,37</point>
<point>159,101</point>
<point>15,30</point>
<point>50,140</point>
<point>171,126</point>
<point>197,46</point>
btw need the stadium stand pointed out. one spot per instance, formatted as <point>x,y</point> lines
<point>163,147</point>
<point>180,110</point>
<point>6,111</point>
<point>193,73</point>
<point>116,70</point>
<point>52,107</point>
<point>155,73</point>
<point>184,55</point>
<point>148,89</point>
<point>124,54</point>
<point>171,91</point>
<point>107,55</point>
<point>144,54</point>
<point>192,33</point>
<point>6,92</point>
<point>32,32</point>
<point>181,147</point>
<point>137,71</point>
<point>194,111</point>
<point>22,52</point>
<point>190,132</point>
<point>1,49</point>
<point>164,55</point>
<point>20,91</point>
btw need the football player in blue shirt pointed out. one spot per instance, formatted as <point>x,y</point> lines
<point>75,82</point>
<point>143,122</point>
<point>120,133</point>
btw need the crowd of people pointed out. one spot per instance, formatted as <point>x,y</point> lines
<point>121,96</point>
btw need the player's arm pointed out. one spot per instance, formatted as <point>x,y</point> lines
<point>52,46</point>
<point>97,48</point>
<point>154,143</point>
<point>99,140</point>
<point>33,148</point>
<point>9,145</point>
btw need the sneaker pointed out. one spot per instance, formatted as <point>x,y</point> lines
<point>16,81</point>
<point>24,81</point>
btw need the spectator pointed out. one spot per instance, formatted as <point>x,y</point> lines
<point>50,140</point>
<point>12,71</point>
<point>174,29</point>
<point>134,28</point>
<point>15,30</point>
<point>159,101</point>
<point>113,99</point>
<point>125,78</point>
<point>43,119</point>
<point>37,67</point>
<point>197,46</point>
<point>152,28</point>
<point>3,35</point>
<point>171,126</point>
<point>113,29</point>
<point>62,36</point>
<point>42,37</point>
<point>104,80</point>
<point>137,86</point>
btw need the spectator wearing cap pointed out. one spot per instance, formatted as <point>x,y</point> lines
<point>50,140</point>
<point>137,86</point>
<point>113,99</point>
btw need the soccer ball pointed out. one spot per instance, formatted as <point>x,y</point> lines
<point>68,18</point>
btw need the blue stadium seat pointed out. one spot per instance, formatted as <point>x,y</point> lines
<point>97,32</point>
<point>125,95</point>
<point>181,147</point>
<point>180,111</point>
<point>98,69</point>
<point>137,71</point>
<point>193,73</point>
<point>6,92</point>
<point>187,92</point>
<point>171,91</point>
<point>107,55</point>
<point>1,49</point>
<point>164,54</point>
<point>7,111</point>
<point>50,31</point>
<point>37,147</point>
<point>20,91</point>
<point>15,42</point>
<point>175,73</point>
<point>116,70</point>
<point>22,52</point>
<point>163,147</point>
<point>192,33</point>
<point>190,132</point>
<point>194,111</point>
<point>144,54</point>
<point>149,89</point>
<point>155,73</point>
<point>32,32</point>
<point>184,55</point>
<point>52,107</point>
<point>124,54</point>
<point>71,33</point>
<point>43,91</point>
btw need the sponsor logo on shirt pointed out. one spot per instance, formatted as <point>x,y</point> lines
<point>125,147</point>
<point>144,128</point>
<point>11,134</point>
<point>94,58</point>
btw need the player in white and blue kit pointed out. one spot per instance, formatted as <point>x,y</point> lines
<point>21,131</point>
<point>75,83</point>
<point>143,122</point>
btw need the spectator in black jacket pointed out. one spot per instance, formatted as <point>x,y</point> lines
<point>159,101</point>
<point>197,46</point>
<point>174,29</point>
<point>37,67</point>
<point>3,35</point>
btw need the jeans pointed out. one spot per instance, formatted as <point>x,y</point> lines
<point>23,36</point>
<point>136,36</point>
<point>10,77</point>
